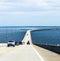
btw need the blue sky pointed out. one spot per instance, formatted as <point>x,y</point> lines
<point>29,12</point>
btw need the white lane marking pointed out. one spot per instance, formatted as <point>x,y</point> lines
<point>41,58</point>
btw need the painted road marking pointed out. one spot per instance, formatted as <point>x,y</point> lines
<point>41,58</point>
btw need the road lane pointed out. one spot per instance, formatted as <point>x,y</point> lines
<point>5,50</point>
<point>23,53</point>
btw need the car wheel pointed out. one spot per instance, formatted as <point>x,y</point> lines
<point>13,46</point>
<point>7,45</point>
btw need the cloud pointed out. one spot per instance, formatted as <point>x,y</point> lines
<point>26,3</point>
<point>28,7</point>
<point>53,3</point>
<point>21,12</point>
<point>6,5</point>
<point>34,13</point>
<point>40,4</point>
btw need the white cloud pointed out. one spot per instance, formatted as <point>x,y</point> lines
<point>38,3</point>
<point>48,6</point>
<point>21,12</point>
<point>53,3</point>
<point>35,13</point>
<point>43,4</point>
<point>26,3</point>
<point>6,5</point>
<point>29,3</point>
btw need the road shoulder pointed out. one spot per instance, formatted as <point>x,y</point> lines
<point>47,55</point>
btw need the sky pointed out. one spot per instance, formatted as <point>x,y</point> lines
<point>29,12</point>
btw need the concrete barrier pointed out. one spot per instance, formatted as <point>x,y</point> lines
<point>55,49</point>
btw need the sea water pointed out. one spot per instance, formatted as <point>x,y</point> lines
<point>9,33</point>
<point>47,37</point>
<point>17,33</point>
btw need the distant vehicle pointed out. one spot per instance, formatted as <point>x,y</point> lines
<point>20,43</point>
<point>11,43</point>
<point>23,42</point>
<point>16,43</point>
<point>28,43</point>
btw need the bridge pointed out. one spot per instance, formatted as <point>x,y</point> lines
<point>27,52</point>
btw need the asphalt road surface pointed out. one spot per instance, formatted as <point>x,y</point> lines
<point>21,53</point>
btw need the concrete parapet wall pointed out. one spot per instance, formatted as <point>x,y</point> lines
<point>55,49</point>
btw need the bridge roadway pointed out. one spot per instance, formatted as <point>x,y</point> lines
<point>21,53</point>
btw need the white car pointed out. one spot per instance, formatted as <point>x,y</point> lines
<point>11,43</point>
